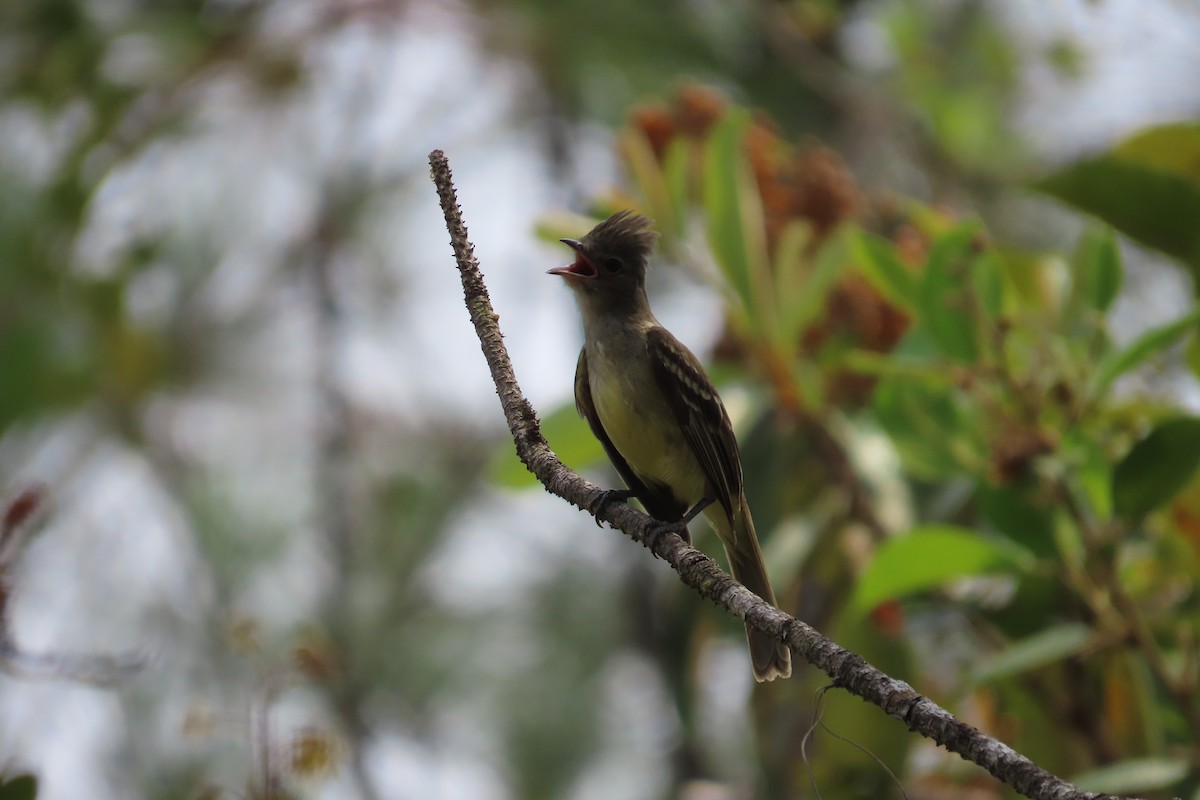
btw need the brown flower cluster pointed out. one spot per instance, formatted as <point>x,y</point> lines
<point>807,182</point>
<point>1014,448</point>
<point>855,312</point>
<point>692,114</point>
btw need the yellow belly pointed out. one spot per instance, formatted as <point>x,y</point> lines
<point>642,428</point>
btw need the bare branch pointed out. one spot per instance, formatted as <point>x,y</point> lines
<point>846,669</point>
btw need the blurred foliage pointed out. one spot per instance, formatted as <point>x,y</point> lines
<point>1147,187</point>
<point>943,448</point>
<point>960,72</point>
<point>595,59</point>
<point>67,338</point>
<point>22,787</point>
<point>1053,515</point>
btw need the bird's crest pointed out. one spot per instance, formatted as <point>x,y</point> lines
<point>624,231</point>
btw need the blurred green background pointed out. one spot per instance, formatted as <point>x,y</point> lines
<point>941,257</point>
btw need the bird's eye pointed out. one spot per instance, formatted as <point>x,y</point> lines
<point>613,265</point>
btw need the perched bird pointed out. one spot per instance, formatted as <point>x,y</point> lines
<point>649,402</point>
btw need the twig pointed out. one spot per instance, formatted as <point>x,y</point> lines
<point>1128,615</point>
<point>846,669</point>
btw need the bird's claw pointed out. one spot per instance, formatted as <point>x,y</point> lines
<point>657,531</point>
<point>604,498</point>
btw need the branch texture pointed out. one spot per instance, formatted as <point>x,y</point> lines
<point>846,669</point>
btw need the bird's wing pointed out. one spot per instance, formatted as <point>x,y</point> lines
<point>701,416</point>
<point>657,500</point>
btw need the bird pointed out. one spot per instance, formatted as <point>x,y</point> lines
<point>648,400</point>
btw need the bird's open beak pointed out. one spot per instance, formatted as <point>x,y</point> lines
<point>580,268</point>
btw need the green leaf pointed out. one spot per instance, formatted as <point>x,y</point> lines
<point>1035,278</point>
<point>735,218</point>
<point>649,177</point>
<point>1012,512</point>
<point>556,225</point>
<point>1146,346</point>
<point>1148,188</point>
<point>1093,472</point>
<point>22,787</point>
<point>927,426</point>
<point>1049,646</point>
<point>791,271</point>
<point>928,557</point>
<point>568,435</point>
<point>883,365</point>
<point>988,282</point>
<point>1192,354</point>
<point>1133,775</point>
<point>876,258</point>
<point>1157,467</point>
<point>945,299</point>
<point>677,169</point>
<point>1172,148</point>
<point>1096,271</point>
<point>802,293</point>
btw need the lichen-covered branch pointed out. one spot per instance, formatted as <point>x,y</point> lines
<point>846,669</point>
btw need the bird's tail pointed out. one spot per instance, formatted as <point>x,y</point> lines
<point>769,657</point>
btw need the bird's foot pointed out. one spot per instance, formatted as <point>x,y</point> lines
<point>658,530</point>
<point>604,498</point>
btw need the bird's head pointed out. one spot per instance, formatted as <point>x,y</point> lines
<point>609,270</point>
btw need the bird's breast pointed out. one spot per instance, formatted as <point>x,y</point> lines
<point>639,422</point>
